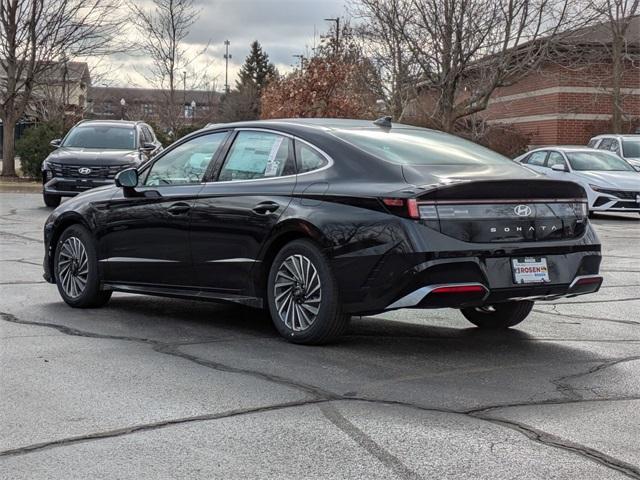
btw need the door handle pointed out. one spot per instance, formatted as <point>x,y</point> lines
<point>266,207</point>
<point>178,208</point>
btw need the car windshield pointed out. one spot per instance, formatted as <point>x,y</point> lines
<point>104,137</point>
<point>420,147</point>
<point>631,148</point>
<point>598,161</point>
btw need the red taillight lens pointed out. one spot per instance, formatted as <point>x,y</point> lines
<point>406,207</point>
<point>393,202</point>
<point>588,281</point>
<point>460,289</point>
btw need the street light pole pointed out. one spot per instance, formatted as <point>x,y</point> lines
<point>184,90</point>
<point>226,65</point>
<point>337,22</point>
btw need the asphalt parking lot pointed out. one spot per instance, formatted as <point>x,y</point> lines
<point>159,388</point>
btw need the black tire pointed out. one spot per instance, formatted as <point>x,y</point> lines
<point>51,200</point>
<point>90,295</point>
<point>330,321</point>
<point>500,315</point>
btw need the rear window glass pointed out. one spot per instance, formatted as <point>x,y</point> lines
<point>420,147</point>
<point>104,137</point>
<point>631,148</point>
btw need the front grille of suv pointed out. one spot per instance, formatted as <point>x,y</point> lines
<point>97,171</point>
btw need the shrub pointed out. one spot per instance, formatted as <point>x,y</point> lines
<point>33,147</point>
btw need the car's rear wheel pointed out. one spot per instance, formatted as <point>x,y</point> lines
<point>76,269</point>
<point>51,200</point>
<point>302,294</point>
<point>500,315</point>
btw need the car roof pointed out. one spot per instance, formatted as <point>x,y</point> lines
<point>123,123</point>
<point>567,148</point>
<point>623,135</point>
<point>310,123</point>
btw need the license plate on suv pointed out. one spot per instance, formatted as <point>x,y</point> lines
<point>530,270</point>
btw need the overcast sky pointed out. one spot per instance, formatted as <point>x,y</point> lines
<point>283,28</point>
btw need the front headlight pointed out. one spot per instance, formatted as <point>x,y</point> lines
<point>46,165</point>
<point>597,188</point>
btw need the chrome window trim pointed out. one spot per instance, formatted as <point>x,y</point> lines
<point>324,154</point>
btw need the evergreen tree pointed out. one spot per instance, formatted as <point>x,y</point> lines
<point>257,70</point>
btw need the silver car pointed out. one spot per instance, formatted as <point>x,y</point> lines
<point>625,146</point>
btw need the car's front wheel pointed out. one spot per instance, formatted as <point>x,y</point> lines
<point>76,269</point>
<point>303,297</point>
<point>500,315</point>
<point>51,200</point>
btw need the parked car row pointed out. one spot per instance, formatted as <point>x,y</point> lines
<point>608,170</point>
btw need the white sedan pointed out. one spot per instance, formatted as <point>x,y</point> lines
<point>611,183</point>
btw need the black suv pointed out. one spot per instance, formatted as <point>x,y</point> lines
<point>91,155</point>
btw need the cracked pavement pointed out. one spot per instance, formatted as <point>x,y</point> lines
<point>160,388</point>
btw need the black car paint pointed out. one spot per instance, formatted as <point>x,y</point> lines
<point>376,256</point>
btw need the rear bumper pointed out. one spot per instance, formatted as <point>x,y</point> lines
<point>69,187</point>
<point>377,284</point>
<point>477,294</point>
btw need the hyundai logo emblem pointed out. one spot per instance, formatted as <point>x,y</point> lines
<point>84,171</point>
<point>522,210</point>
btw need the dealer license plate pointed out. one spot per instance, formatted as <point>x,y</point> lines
<point>530,270</point>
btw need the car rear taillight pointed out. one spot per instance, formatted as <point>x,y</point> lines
<point>405,207</point>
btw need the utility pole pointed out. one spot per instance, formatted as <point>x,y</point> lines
<point>337,22</point>
<point>226,65</point>
<point>301,59</point>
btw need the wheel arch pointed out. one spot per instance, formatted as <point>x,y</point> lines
<point>284,233</point>
<point>62,223</point>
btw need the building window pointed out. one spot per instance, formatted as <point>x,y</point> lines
<point>188,110</point>
<point>108,108</point>
<point>147,109</point>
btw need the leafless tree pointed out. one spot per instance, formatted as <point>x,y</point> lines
<point>465,49</point>
<point>35,35</point>
<point>163,28</point>
<point>380,24</point>
<point>617,16</point>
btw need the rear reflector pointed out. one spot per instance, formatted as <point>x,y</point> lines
<point>460,289</point>
<point>588,280</point>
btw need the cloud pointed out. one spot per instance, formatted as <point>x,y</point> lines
<point>283,28</point>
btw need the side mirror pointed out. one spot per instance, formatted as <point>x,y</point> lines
<point>148,147</point>
<point>127,178</point>
<point>558,167</point>
<point>55,143</point>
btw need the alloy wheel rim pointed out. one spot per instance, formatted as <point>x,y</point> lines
<point>297,292</point>
<point>73,267</point>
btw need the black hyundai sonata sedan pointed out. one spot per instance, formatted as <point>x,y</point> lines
<point>319,220</point>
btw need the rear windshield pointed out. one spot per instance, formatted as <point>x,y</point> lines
<point>631,148</point>
<point>597,161</point>
<point>104,137</point>
<point>420,147</point>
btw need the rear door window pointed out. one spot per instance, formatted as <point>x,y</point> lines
<point>257,154</point>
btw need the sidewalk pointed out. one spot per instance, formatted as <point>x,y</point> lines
<point>20,185</point>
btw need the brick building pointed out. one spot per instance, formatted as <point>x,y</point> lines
<point>151,105</point>
<point>568,99</point>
